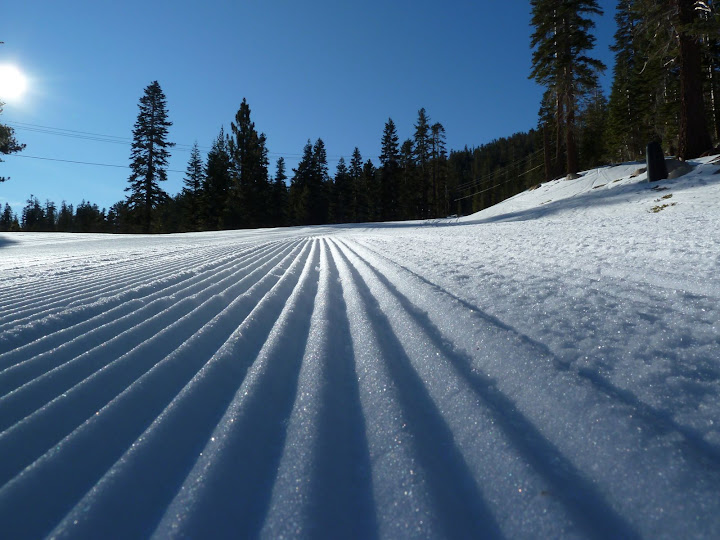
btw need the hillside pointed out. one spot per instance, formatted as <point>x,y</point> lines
<point>548,367</point>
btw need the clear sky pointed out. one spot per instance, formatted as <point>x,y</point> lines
<point>324,68</point>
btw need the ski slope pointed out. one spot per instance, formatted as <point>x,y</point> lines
<point>549,367</point>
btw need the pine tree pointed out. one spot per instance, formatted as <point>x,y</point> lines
<point>33,216</point>
<point>625,137</point>
<point>368,207</point>
<point>65,222</point>
<point>320,184</point>
<point>50,212</point>
<point>408,194</point>
<point>422,144</point>
<point>559,62</point>
<point>216,185</point>
<point>279,196</point>
<point>389,172</point>
<point>8,143</point>
<point>438,157</point>
<point>249,158</point>
<point>192,191</point>
<point>149,157</point>
<point>6,218</point>
<point>355,177</point>
<point>694,134</point>
<point>672,37</point>
<point>341,200</point>
<point>710,13</point>
<point>592,125</point>
<point>300,190</point>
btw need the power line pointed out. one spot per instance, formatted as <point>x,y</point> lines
<point>500,184</point>
<point>114,139</point>
<point>497,172</point>
<point>81,162</point>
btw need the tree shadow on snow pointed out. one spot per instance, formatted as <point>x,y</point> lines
<point>5,241</point>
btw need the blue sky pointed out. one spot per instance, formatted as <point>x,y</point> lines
<point>329,69</point>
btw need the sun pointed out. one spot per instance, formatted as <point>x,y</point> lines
<point>13,83</point>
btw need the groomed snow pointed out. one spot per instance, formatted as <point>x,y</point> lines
<point>549,367</point>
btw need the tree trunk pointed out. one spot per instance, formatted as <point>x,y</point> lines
<point>546,154</point>
<point>694,136</point>
<point>570,144</point>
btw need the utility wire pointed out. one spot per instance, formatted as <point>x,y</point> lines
<point>499,185</point>
<point>82,162</point>
<point>497,172</point>
<point>114,139</point>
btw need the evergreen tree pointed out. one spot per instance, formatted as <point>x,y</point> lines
<point>694,134</point>
<point>341,201</point>
<point>355,177</point>
<point>65,222</point>
<point>8,143</point>
<point>249,159</point>
<point>710,12</point>
<point>625,137</point>
<point>149,157</point>
<point>50,216</point>
<point>279,196</point>
<point>300,187</point>
<point>422,145</point>
<point>408,193</point>
<point>389,172</point>
<point>592,125</point>
<point>439,178</point>
<point>192,191</point>
<point>368,208</point>
<point>33,216</point>
<point>89,218</point>
<point>559,62</point>
<point>320,184</point>
<point>216,185</point>
<point>6,218</point>
<point>309,186</point>
<point>672,37</point>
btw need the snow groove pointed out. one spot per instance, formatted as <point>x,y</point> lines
<point>449,373</point>
<point>126,416</point>
<point>49,423</point>
<point>131,309</point>
<point>154,335</point>
<point>548,386</point>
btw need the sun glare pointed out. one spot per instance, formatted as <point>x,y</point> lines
<point>13,83</point>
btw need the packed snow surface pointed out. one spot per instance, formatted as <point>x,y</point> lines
<point>549,367</point>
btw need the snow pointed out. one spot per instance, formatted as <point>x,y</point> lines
<point>549,367</point>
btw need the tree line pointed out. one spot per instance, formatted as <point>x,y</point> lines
<point>665,88</point>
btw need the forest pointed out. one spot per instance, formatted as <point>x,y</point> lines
<point>665,88</point>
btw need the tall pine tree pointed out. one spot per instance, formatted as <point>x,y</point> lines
<point>422,146</point>
<point>277,210</point>
<point>249,157</point>
<point>389,172</point>
<point>625,137</point>
<point>192,190</point>
<point>216,185</point>
<point>149,155</point>
<point>561,41</point>
<point>694,134</point>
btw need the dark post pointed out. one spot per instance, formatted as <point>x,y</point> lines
<point>656,168</point>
